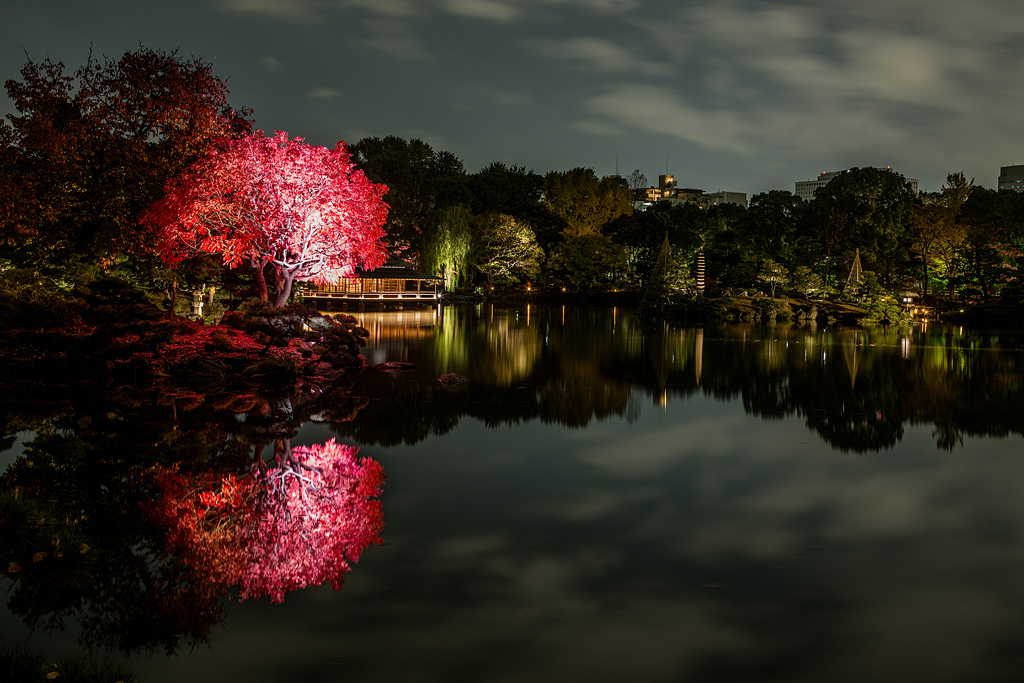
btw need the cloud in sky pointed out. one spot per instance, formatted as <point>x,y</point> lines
<point>751,94</point>
<point>323,93</point>
<point>393,38</point>
<point>659,110</point>
<point>482,9</point>
<point>602,55</point>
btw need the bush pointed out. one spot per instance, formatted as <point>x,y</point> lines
<point>109,302</point>
<point>221,340</point>
<point>29,301</point>
<point>699,307</point>
<point>1012,295</point>
<point>764,305</point>
<point>338,340</point>
<point>272,326</point>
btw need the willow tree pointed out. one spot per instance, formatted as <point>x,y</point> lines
<point>447,245</point>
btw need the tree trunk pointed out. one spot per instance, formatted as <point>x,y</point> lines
<point>285,278</point>
<point>261,282</point>
<point>174,295</point>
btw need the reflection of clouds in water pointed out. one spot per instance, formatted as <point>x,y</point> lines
<point>929,633</point>
<point>589,505</point>
<point>687,546</point>
<point>653,453</point>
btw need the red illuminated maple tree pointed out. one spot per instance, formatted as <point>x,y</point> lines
<point>302,520</point>
<point>304,209</point>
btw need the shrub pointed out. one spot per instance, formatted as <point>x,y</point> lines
<point>30,301</point>
<point>339,340</point>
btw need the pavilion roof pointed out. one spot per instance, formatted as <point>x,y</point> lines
<point>395,269</point>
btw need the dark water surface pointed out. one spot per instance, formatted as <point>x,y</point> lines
<point>607,500</point>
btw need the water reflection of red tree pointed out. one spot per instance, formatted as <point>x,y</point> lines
<point>302,519</point>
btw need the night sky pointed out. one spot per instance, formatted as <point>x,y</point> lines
<point>741,96</point>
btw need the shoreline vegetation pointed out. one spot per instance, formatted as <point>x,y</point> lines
<point>111,332</point>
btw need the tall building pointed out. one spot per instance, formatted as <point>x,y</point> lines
<point>805,188</point>
<point>1011,178</point>
<point>667,185</point>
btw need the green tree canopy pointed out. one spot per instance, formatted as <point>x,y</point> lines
<point>506,249</point>
<point>769,227</point>
<point>878,204</point>
<point>583,201</point>
<point>420,180</point>
<point>586,262</point>
<point>506,189</point>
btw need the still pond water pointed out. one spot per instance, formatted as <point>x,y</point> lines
<point>613,500</point>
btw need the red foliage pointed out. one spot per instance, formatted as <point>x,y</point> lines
<point>269,200</point>
<point>302,522</point>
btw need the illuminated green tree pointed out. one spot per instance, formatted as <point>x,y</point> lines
<point>937,231</point>
<point>447,245</point>
<point>773,274</point>
<point>584,202</point>
<point>507,249</point>
<point>806,281</point>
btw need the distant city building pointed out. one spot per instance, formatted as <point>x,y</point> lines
<point>689,194</point>
<point>648,194</point>
<point>706,201</point>
<point>667,191</point>
<point>805,188</point>
<point>1011,178</point>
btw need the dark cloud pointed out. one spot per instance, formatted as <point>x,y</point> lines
<point>744,95</point>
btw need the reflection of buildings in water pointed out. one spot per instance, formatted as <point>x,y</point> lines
<point>392,332</point>
<point>493,346</point>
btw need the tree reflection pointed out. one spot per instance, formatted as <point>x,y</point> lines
<point>857,388</point>
<point>301,520</point>
<point>75,547</point>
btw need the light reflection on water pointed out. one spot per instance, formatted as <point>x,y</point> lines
<point>720,504</point>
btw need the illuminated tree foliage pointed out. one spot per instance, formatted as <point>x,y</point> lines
<point>302,521</point>
<point>773,274</point>
<point>304,210</point>
<point>937,233</point>
<point>87,151</point>
<point>447,246</point>
<point>507,249</point>
<point>584,202</point>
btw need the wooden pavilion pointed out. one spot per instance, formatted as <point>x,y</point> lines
<point>395,282</point>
